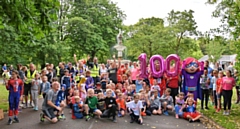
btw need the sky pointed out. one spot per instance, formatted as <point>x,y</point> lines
<point>137,9</point>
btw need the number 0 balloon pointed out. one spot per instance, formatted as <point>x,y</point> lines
<point>165,66</point>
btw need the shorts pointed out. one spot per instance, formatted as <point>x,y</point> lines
<point>211,91</point>
<point>193,115</point>
<point>218,95</point>
<point>92,110</point>
<point>49,113</point>
<point>27,89</point>
<point>153,108</point>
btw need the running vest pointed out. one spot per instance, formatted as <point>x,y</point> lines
<point>95,71</point>
<point>29,77</point>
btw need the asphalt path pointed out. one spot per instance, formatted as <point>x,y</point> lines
<point>30,119</point>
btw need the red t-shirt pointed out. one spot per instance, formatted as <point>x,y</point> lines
<point>173,82</point>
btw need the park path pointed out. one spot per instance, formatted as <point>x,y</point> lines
<point>30,119</point>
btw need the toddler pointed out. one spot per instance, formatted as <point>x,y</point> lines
<point>179,104</point>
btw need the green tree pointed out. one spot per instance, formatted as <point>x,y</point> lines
<point>93,26</point>
<point>181,25</point>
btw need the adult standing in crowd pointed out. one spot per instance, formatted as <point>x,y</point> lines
<point>112,71</point>
<point>30,75</point>
<point>61,71</point>
<point>95,71</point>
<point>20,72</point>
<point>134,72</point>
<point>206,64</point>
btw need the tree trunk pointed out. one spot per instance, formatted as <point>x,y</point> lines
<point>178,43</point>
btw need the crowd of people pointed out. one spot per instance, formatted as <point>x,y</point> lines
<point>113,90</point>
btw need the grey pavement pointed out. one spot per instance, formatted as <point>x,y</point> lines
<point>30,119</point>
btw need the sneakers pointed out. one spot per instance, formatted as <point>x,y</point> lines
<point>114,120</point>
<point>16,120</point>
<point>206,108</point>
<point>63,117</point>
<point>131,121</point>
<point>119,114</point>
<point>10,121</point>
<point>224,113</point>
<point>165,113</point>
<point>42,117</point>
<point>87,118</point>
<point>227,113</point>
<point>25,106</point>
<point>143,114</point>
<point>36,109</point>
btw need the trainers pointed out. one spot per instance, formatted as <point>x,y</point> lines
<point>41,117</point>
<point>224,113</point>
<point>119,114</point>
<point>165,113</point>
<point>143,114</point>
<point>87,118</point>
<point>206,108</point>
<point>227,113</point>
<point>114,120</point>
<point>60,117</point>
<point>35,109</point>
<point>25,106</point>
<point>131,121</point>
<point>63,116</point>
<point>16,120</point>
<point>10,121</point>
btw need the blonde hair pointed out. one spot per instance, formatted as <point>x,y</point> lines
<point>108,90</point>
<point>136,96</point>
<point>90,91</point>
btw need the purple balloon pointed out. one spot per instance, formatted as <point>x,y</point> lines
<point>143,66</point>
<point>169,71</point>
<point>155,73</point>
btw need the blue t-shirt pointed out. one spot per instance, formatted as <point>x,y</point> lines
<point>4,67</point>
<point>211,83</point>
<point>138,86</point>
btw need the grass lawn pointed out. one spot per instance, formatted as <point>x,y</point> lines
<point>3,98</point>
<point>229,122</point>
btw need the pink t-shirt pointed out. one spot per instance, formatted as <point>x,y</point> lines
<point>228,83</point>
<point>134,73</point>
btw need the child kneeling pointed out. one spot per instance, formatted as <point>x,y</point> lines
<point>134,107</point>
<point>91,105</point>
<point>78,108</point>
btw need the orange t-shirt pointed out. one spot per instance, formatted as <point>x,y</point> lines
<point>219,83</point>
<point>121,102</point>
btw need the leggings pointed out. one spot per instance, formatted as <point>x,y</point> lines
<point>205,95</point>
<point>35,97</point>
<point>238,93</point>
<point>227,99</point>
<point>215,97</point>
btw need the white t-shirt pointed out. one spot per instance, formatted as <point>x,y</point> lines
<point>213,81</point>
<point>103,70</point>
<point>135,107</point>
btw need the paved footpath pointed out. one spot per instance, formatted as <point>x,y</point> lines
<point>30,119</point>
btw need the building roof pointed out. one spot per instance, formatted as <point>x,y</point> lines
<point>223,58</point>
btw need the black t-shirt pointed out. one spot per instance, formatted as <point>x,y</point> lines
<point>113,74</point>
<point>109,101</point>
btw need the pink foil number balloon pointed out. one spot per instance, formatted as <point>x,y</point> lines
<point>143,70</point>
<point>172,72</point>
<point>155,73</point>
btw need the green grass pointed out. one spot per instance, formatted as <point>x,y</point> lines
<point>3,98</point>
<point>229,122</point>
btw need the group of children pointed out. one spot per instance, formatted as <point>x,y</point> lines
<point>120,99</point>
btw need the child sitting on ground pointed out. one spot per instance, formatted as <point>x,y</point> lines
<point>121,105</point>
<point>155,104</point>
<point>156,87</point>
<point>111,105</point>
<point>144,101</point>
<point>134,108</point>
<point>179,104</point>
<point>191,114</point>
<point>167,101</point>
<point>77,108</point>
<point>91,105</point>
